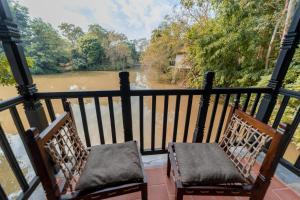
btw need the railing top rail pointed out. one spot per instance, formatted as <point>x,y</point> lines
<point>148,92</point>
<point>10,102</point>
<point>241,90</point>
<point>77,94</point>
<point>290,93</point>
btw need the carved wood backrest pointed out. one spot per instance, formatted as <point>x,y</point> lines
<point>60,146</point>
<point>244,139</point>
<point>66,149</point>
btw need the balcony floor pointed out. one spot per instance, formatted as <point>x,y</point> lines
<point>160,187</point>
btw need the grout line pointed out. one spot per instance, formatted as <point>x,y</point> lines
<point>274,193</point>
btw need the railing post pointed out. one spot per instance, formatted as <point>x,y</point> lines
<point>126,105</point>
<point>284,60</point>
<point>10,37</point>
<point>203,107</point>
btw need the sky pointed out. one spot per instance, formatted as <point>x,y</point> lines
<point>134,18</point>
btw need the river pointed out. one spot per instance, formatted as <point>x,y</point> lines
<point>106,80</point>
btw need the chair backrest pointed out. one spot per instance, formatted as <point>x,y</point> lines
<point>58,146</point>
<point>245,138</point>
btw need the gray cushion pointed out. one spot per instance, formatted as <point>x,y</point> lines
<point>205,164</point>
<point>111,165</point>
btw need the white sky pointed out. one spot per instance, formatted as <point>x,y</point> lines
<point>135,18</point>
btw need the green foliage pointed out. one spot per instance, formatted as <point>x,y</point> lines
<point>5,73</point>
<point>6,77</point>
<point>71,32</point>
<point>97,49</point>
<point>166,41</point>
<point>98,31</point>
<point>91,49</point>
<point>21,15</point>
<point>47,48</point>
<point>234,42</point>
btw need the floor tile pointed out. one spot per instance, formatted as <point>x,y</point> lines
<point>160,187</point>
<point>277,184</point>
<point>158,192</point>
<point>170,185</point>
<point>155,176</point>
<point>286,194</point>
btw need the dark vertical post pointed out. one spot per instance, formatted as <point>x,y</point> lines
<point>2,194</point>
<point>203,107</point>
<point>10,37</point>
<point>270,163</point>
<point>284,59</point>
<point>126,105</point>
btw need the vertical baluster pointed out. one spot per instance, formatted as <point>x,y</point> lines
<point>153,122</point>
<point>187,117</point>
<point>237,100</point>
<point>203,107</point>
<point>112,119</point>
<point>254,106</point>
<point>175,128</point>
<point>9,154</point>
<point>20,128</point>
<point>84,122</point>
<point>281,110</point>
<point>63,102</point>
<point>99,120</point>
<point>165,121</point>
<point>50,109</point>
<point>221,123</point>
<point>293,128</point>
<point>126,105</point>
<point>231,111</point>
<point>212,118</point>
<point>3,196</point>
<point>141,123</point>
<point>297,163</point>
<point>246,102</point>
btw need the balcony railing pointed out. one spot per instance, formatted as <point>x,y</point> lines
<point>141,108</point>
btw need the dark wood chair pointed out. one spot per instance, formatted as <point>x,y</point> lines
<point>225,169</point>
<point>68,170</point>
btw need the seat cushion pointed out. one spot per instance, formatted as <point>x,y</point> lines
<point>205,164</point>
<point>111,165</point>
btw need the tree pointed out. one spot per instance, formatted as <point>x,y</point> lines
<point>234,42</point>
<point>166,41</point>
<point>195,10</point>
<point>47,48</point>
<point>71,32</point>
<point>23,20</point>
<point>97,31</point>
<point>6,77</point>
<point>91,49</point>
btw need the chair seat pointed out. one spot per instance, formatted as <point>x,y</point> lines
<point>111,165</point>
<point>205,164</point>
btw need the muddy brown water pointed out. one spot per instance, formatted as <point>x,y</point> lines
<point>80,81</point>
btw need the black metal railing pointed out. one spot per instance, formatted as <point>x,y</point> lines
<point>288,105</point>
<point>172,109</point>
<point>214,98</point>
<point>27,187</point>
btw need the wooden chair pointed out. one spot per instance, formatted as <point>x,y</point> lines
<point>68,170</point>
<point>225,169</point>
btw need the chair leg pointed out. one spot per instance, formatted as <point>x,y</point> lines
<point>179,194</point>
<point>168,166</point>
<point>144,193</point>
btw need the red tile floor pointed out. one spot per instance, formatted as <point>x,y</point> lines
<point>160,187</point>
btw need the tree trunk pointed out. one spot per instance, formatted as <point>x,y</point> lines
<point>287,2</point>
<point>289,16</point>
